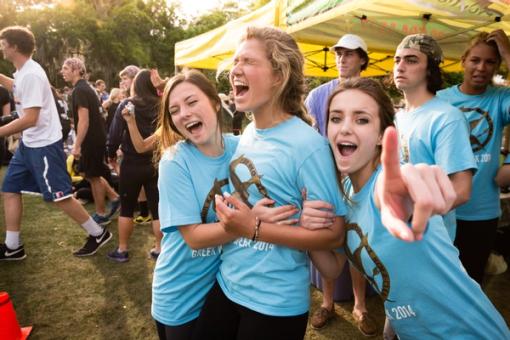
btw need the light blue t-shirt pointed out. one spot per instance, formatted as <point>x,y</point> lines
<point>487,115</point>
<point>436,133</point>
<point>187,183</point>
<point>277,162</point>
<point>427,293</point>
<point>317,103</point>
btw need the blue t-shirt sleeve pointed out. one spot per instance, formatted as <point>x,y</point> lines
<point>177,205</point>
<point>453,152</point>
<point>317,174</point>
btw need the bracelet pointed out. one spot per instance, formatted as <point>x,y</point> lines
<point>257,229</point>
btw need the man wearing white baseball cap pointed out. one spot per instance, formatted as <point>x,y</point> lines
<point>351,58</point>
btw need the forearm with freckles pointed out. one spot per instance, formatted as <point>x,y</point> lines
<point>198,236</point>
<point>304,239</point>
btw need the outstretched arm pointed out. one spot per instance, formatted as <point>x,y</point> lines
<point>406,192</point>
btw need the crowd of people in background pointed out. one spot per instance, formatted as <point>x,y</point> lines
<point>408,197</point>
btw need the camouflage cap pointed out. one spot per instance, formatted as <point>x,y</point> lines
<point>425,44</point>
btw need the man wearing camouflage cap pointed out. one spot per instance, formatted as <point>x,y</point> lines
<point>431,131</point>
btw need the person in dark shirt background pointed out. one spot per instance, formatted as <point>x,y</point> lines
<point>90,144</point>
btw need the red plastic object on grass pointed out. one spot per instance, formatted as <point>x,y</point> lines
<point>9,326</point>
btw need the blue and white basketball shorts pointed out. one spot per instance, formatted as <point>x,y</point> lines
<point>39,170</point>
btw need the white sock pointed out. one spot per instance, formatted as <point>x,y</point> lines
<point>92,227</point>
<point>12,239</point>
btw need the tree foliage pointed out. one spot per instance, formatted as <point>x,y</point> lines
<point>216,18</point>
<point>107,34</point>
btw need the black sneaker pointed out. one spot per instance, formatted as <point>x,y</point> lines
<point>94,243</point>
<point>7,254</point>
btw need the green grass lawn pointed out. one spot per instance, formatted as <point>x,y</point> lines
<point>65,297</point>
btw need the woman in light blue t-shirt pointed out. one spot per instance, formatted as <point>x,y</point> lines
<point>194,158</point>
<point>413,265</point>
<point>262,289</point>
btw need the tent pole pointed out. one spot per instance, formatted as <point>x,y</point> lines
<point>488,23</point>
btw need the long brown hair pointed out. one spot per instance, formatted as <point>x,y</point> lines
<point>143,91</point>
<point>287,61</point>
<point>373,89</point>
<point>167,132</point>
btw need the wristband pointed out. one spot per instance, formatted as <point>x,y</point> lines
<point>257,229</point>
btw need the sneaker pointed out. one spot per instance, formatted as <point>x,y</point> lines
<point>114,208</point>
<point>321,317</point>
<point>94,243</point>
<point>101,220</point>
<point>153,254</point>
<point>118,256</point>
<point>7,254</point>
<point>366,324</point>
<point>142,219</point>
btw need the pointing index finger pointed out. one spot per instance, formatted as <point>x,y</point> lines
<point>390,154</point>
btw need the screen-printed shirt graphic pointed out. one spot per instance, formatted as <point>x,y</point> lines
<point>481,131</point>
<point>487,115</point>
<point>183,276</point>
<point>436,133</point>
<point>425,289</point>
<point>276,163</point>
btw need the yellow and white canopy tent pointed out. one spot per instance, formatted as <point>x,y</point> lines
<point>317,24</point>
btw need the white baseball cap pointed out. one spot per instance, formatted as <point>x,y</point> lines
<point>351,42</point>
